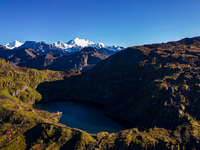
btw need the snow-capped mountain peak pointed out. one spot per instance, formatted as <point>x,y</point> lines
<point>98,45</point>
<point>70,46</point>
<point>61,44</point>
<point>77,44</point>
<point>73,45</point>
<point>13,45</point>
<point>80,42</point>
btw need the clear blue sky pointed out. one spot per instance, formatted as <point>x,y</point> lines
<point>118,22</point>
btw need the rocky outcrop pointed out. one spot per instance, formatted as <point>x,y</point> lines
<point>19,91</point>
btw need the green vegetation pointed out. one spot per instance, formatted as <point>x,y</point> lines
<point>155,87</point>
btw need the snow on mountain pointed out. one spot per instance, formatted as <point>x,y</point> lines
<point>70,46</point>
<point>115,48</point>
<point>73,45</point>
<point>78,44</point>
<point>62,45</point>
<point>98,45</point>
<point>43,48</point>
<point>13,45</point>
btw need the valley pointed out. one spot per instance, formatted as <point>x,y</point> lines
<point>154,87</point>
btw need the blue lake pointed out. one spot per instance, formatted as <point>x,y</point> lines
<point>85,116</point>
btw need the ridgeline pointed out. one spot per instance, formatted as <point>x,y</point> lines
<point>154,87</point>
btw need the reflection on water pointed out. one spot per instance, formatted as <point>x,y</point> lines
<point>87,117</point>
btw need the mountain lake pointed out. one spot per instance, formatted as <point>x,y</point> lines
<point>85,116</point>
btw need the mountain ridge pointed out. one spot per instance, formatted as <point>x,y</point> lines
<point>144,84</point>
<point>154,86</point>
<point>80,60</point>
<point>70,46</point>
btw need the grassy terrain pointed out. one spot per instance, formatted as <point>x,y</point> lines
<point>150,86</point>
<point>155,87</point>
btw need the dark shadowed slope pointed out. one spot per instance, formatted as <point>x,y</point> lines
<point>150,85</point>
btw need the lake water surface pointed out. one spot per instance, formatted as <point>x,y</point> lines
<point>84,116</point>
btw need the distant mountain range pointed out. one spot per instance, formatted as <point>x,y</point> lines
<point>80,60</point>
<point>77,54</point>
<point>61,47</point>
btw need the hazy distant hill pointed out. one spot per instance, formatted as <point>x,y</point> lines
<point>27,57</point>
<point>81,61</point>
<point>18,56</point>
